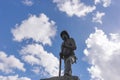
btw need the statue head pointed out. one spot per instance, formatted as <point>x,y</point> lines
<point>64,35</point>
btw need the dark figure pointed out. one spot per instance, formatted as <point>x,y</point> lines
<point>67,52</point>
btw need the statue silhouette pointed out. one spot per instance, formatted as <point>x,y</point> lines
<point>67,53</point>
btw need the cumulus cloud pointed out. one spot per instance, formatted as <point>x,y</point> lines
<point>74,7</point>
<point>103,54</point>
<point>35,54</point>
<point>16,77</point>
<point>8,63</point>
<point>97,1</point>
<point>41,30</point>
<point>38,28</point>
<point>105,3</point>
<point>27,2</point>
<point>36,70</point>
<point>98,17</point>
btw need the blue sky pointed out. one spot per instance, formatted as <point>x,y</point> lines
<point>30,38</point>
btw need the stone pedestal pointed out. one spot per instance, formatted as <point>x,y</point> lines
<point>63,78</point>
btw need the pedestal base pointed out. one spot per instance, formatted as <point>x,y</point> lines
<point>63,78</point>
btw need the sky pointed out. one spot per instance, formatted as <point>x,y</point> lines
<point>30,39</point>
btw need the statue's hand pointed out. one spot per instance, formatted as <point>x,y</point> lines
<point>61,55</point>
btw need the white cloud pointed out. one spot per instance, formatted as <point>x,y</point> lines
<point>8,63</point>
<point>13,78</point>
<point>36,70</point>
<point>27,2</point>
<point>74,7</point>
<point>98,17</point>
<point>35,54</point>
<point>97,1</point>
<point>103,54</point>
<point>105,3</point>
<point>40,29</point>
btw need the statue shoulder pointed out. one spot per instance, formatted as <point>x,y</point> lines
<point>71,39</point>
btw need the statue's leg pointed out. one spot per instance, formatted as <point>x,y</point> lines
<point>68,70</point>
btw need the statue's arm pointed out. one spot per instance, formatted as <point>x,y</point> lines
<point>72,44</point>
